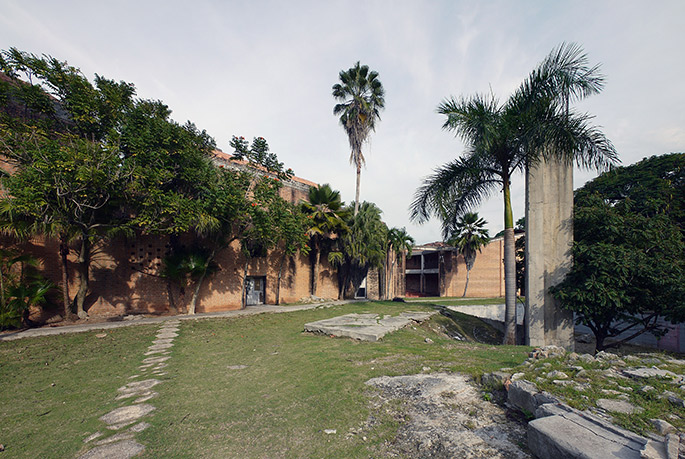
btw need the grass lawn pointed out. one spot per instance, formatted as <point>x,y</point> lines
<point>458,301</point>
<point>294,385</point>
<point>55,388</point>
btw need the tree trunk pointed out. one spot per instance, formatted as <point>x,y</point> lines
<point>509,269</point>
<point>243,297</point>
<point>280,275</point>
<point>170,294</point>
<point>359,180</point>
<point>315,269</point>
<point>468,272</point>
<point>198,285</point>
<point>84,274</point>
<point>64,257</point>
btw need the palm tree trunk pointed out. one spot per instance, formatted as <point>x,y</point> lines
<point>468,272</point>
<point>315,270</point>
<point>196,293</point>
<point>509,269</point>
<point>359,180</point>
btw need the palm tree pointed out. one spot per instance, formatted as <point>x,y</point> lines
<point>361,96</point>
<point>326,214</point>
<point>362,246</point>
<point>401,243</point>
<point>468,236</point>
<point>534,124</point>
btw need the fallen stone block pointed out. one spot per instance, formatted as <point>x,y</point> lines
<point>525,396</point>
<point>564,433</point>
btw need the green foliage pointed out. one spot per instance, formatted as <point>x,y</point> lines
<point>468,235</point>
<point>361,97</point>
<point>21,287</point>
<point>258,155</point>
<point>400,241</point>
<point>90,160</point>
<point>363,245</point>
<point>629,251</point>
<point>325,216</point>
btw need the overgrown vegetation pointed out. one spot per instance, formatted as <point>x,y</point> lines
<point>587,381</point>
<point>21,287</point>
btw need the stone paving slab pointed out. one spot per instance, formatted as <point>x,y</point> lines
<point>119,450</point>
<point>365,327</point>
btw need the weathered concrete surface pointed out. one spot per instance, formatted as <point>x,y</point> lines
<point>618,406</point>
<point>549,236</point>
<point>525,396</point>
<point>444,416</point>
<point>365,327</point>
<point>490,311</point>
<point>568,435</point>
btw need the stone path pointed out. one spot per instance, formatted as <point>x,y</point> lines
<point>126,420</point>
<point>365,327</point>
<point>84,327</point>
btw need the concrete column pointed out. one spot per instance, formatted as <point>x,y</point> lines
<point>549,236</point>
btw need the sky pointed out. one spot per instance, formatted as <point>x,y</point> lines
<point>266,68</point>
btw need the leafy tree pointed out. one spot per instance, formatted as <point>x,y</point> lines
<point>67,173</point>
<point>259,156</point>
<point>292,231</point>
<point>326,215</point>
<point>362,246</point>
<point>362,97</point>
<point>468,235</point>
<point>535,123</point>
<point>171,169</point>
<point>94,161</point>
<point>629,251</point>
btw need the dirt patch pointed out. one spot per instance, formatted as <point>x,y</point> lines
<point>444,415</point>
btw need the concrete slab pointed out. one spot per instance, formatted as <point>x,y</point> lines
<point>565,433</point>
<point>365,327</point>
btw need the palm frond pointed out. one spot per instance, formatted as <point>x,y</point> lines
<point>453,189</point>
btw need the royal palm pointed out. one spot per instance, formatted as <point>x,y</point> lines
<point>533,124</point>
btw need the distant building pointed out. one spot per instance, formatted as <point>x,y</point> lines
<point>437,269</point>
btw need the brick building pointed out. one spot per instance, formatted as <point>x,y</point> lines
<point>436,269</point>
<point>125,273</point>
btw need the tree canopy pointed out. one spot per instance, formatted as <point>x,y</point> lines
<point>629,251</point>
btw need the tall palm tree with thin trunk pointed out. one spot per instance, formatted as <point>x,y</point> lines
<point>361,97</point>
<point>468,235</point>
<point>533,124</point>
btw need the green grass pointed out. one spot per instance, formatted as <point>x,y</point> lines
<point>456,301</point>
<point>295,385</point>
<point>55,388</point>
